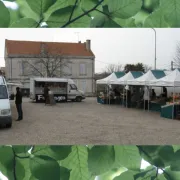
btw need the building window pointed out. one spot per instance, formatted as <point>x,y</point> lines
<point>83,70</point>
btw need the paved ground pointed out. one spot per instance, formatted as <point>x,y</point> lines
<point>89,123</point>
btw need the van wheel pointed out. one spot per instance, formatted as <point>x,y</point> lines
<point>9,125</point>
<point>78,99</point>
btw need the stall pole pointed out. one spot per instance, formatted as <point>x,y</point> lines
<point>143,96</point>
<point>173,103</point>
<point>126,98</point>
<point>109,94</point>
<point>148,97</point>
<point>123,95</point>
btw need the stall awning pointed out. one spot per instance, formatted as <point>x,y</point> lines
<point>131,75</point>
<point>113,76</point>
<point>171,80</point>
<point>144,79</point>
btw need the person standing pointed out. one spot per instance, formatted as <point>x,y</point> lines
<point>18,103</point>
<point>146,97</point>
<point>46,93</point>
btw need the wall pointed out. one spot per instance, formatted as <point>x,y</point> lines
<point>84,82</point>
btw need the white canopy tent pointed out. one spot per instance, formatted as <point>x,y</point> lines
<point>131,75</point>
<point>144,79</point>
<point>171,80</point>
<point>113,77</point>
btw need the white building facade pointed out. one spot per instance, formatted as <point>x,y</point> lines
<point>80,68</point>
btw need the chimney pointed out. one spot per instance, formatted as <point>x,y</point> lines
<point>88,45</point>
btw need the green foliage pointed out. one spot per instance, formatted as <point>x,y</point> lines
<point>87,162</point>
<point>92,13</point>
<point>134,67</point>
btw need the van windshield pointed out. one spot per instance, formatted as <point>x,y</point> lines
<point>3,92</point>
<point>73,86</point>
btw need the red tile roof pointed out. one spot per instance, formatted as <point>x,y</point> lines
<point>34,48</point>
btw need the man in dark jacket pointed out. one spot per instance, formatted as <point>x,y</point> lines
<point>18,103</point>
<point>46,93</point>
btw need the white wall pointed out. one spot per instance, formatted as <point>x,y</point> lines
<point>84,82</point>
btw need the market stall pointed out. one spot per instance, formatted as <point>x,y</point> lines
<point>171,108</point>
<point>131,75</point>
<point>104,89</point>
<point>143,82</point>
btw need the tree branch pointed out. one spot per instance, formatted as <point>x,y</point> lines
<point>139,147</point>
<point>14,164</point>
<point>103,13</point>
<point>73,10</point>
<point>34,67</point>
<point>85,13</point>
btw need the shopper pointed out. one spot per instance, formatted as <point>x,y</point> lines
<point>18,103</point>
<point>46,94</point>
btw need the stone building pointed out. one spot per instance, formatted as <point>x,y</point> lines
<point>77,61</point>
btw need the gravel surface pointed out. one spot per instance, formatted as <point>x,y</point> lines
<point>89,123</point>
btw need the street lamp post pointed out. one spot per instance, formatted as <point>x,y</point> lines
<point>155,49</point>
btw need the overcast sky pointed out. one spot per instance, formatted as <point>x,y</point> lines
<point>110,46</point>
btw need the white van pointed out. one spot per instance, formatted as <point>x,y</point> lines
<point>63,89</point>
<point>5,108</point>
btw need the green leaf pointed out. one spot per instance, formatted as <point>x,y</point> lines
<point>56,152</point>
<point>151,5</point>
<point>77,161</point>
<point>161,177</point>
<point>171,9</point>
<point>160,156</point>
<point>140,17</point>
<point>40,6</point>
<point>148,173</point>
<point>20,170</point>
<point>103,21</point>
<point>176,147</point>
<point>129,175</point>
<point>44,168</point>
<point>156,19</point>
<point>175,164</point>
<point>129,23</point>
<point>59,4</point>
<point>101,159</point>
<point>109,175</point>
<point>61,152</point>
<point>25,164</point>
<point>7,161</point>
<point>61,17</point>
<point>171,175</point>
<point>25,23</point>
<point>4,16</point>
<point>87,5</point>
<point>23,150</point>
<point>128,156</point>
<point>64,173</point>
<point>33,178</point>
<point>124,8</point>
<point>26,11</point>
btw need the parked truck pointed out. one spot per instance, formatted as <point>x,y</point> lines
<point>5,108</point>
<point>63,89</point>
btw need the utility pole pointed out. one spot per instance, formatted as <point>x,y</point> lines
<point>77,33</point>
<point>155,58</point>
<point>172,63</point>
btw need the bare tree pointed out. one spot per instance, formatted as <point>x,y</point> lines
<point>147,68</point>
<point>113,68</point>
<point>177,56</point>
<point>47,64</point>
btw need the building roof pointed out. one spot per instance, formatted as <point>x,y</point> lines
<point>14,47</point>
